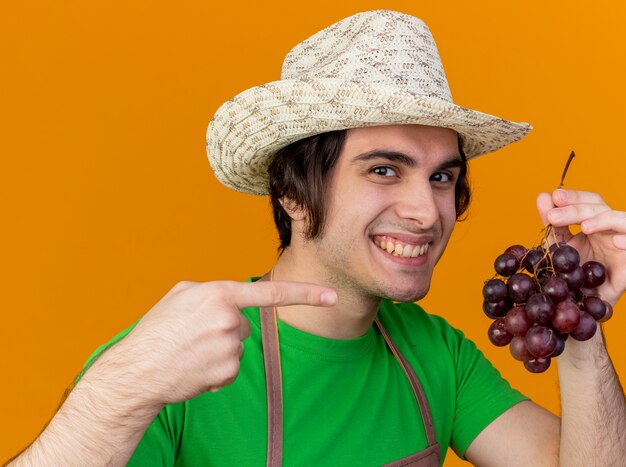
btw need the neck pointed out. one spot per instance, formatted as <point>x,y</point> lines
<point>351,317</point>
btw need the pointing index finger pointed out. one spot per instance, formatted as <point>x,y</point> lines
<point>283,293</point>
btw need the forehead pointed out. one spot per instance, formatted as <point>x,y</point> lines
<point>417,141</point>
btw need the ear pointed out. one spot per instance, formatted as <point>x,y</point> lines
<point>292,208</point>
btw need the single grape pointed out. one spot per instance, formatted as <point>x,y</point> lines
<point>586,327</point>
<point>518,349</point>
<point>534,260</point>
<point>555,288</point>
<point>518,250</point>
<point>497,333</point>
<point>540,341</point>
<point>494,290</point>
<point>595,274</point>
<point>539,308</point>
<point>566,317</point>
<point>565,258</point>
<point>506,264</point>
<point>609,312</point>
<point>537,365</point>
<point>496,310</point>
<point>516,321</point>
<point>519,287</point>
<point>574,279</point>
<point>595,307</point>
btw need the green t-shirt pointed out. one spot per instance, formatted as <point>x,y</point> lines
<point>346,402</point>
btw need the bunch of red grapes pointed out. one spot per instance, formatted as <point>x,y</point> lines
<point>539,298</point>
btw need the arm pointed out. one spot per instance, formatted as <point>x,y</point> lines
<point>189,343</point>
<point>592,405</point>
<point>592,430</point>
<point>592,400</point>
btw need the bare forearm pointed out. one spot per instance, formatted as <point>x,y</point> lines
<point>100,423</point>
<point>593,419</point>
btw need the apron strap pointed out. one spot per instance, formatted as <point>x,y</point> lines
<point>418,390</point>
<point>273,382</point>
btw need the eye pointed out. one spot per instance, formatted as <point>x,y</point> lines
<point>442,177</point>
<point>384,171</point>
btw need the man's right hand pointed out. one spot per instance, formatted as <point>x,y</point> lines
<point>191,341</point>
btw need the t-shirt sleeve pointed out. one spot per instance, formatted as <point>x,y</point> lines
<point>482,393</point>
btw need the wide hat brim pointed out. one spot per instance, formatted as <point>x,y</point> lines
<point>249,129</point>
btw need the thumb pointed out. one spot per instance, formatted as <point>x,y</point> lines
<point>544,206</point>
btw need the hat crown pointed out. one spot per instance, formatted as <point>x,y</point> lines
<point>375,47</point>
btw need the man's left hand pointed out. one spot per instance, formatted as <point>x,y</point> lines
<point>602,237</point>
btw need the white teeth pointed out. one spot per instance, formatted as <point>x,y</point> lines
<point>406,252</point>
<point>399,249</point>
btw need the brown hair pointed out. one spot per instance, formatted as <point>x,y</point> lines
<point>298,172</point>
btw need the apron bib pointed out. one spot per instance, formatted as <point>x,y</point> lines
<point>429,457</point>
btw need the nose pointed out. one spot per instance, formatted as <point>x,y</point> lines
<point>416,202</point>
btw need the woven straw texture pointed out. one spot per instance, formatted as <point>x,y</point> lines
<point>374,68</point>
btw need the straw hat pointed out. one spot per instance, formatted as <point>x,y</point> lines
<point>374,68</point>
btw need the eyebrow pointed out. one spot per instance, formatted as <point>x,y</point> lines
<point>403,159</point>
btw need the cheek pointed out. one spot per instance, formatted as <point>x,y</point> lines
<point>447,210</point>
<point>357,203</point>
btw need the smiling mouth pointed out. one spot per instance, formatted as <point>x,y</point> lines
<point>395,247</point>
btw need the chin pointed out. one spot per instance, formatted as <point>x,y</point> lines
<point>412,295</point>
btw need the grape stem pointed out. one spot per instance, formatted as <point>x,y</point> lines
<point>569,161</point>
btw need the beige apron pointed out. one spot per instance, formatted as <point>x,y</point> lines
<point>428,457</point>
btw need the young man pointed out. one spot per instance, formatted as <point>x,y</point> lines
<point>364,154</point>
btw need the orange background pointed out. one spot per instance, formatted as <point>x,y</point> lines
<point>108,199</point>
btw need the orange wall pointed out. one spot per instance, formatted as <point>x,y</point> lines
<point>108,200</point>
